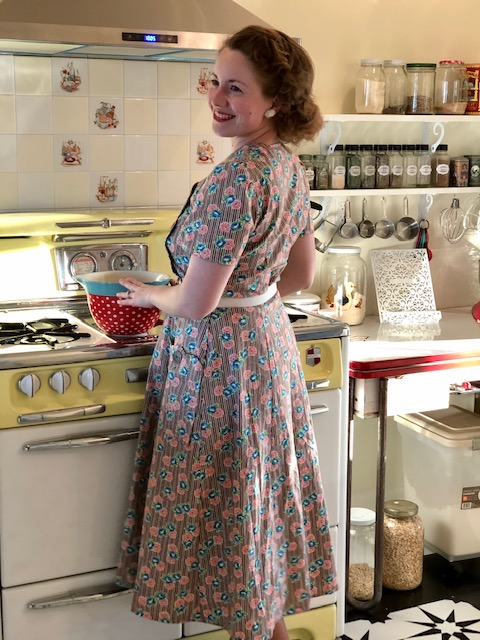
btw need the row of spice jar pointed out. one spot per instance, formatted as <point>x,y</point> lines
<point>392,166</point>
<point>422,88</point>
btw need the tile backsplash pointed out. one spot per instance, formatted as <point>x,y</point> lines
<point>100,133</point>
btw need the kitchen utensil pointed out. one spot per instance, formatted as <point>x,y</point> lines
<point>407,227</point>
<point>318,214</point>
<point>422,239</point>
<point>101,288</point>
<point>366,228</point>
<point>384,228</point>
<point>471,221</point>
<point>348,229</point>
<point>451,221</point>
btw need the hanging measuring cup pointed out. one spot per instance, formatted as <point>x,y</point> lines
<point>366,228</point>
<point>348,229</point>
<point>384,228</point>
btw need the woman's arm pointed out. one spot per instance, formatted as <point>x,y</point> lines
<point>300,270</point>
<point>196,296</point>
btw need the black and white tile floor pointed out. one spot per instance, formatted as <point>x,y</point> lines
<point>445,607</point>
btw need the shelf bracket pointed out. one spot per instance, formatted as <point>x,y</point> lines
<point>325,148</point>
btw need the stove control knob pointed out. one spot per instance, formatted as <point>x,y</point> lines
<point>89,378</point>
<point>59,381</point>
<point>29,384</point>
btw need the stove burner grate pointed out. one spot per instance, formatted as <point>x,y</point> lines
<point>45,331</point>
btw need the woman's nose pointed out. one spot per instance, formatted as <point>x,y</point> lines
<point>217,96</point>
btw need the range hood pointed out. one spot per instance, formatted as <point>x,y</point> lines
<point>185,30</point>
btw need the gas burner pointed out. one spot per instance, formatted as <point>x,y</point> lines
<point>44,331</point>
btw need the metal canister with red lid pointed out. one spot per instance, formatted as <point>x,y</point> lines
<point>451,87</point>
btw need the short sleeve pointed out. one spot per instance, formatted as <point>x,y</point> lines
<point>221,216</point>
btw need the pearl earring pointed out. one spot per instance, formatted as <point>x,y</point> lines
<point>269,113</point>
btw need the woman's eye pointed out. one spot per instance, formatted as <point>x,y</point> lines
<point>234,88</point>
<point>213,82</point>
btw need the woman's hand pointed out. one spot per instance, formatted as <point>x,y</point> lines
<point>138,294</point>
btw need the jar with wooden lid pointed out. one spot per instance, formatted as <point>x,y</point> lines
<point>403,536</point>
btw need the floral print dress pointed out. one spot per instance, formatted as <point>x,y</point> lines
<point>227,522</point>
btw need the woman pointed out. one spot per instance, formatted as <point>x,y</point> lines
<point>227,522</point>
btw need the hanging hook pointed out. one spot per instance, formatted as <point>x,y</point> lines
<point>438,130</point>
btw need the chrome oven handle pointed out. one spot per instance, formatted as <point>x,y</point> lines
<point>82,440</point>
<point>81,596</point>
<point>316,410</point>
<point>61,414</point>
<point>136,374</point>
<point>313,385</point>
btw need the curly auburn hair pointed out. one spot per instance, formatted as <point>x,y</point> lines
<point>286,73</point>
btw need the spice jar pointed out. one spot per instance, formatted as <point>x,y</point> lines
<point>336,168</point>
<point>451,87</point>
<point>395,86</point>
<point>307,161</point>
<point>474,171</point>
<point>370,87</point>
<point>440,167</point>
<point>395,161</point>
<point>353,178</point>
<point>367,166</point>
<point>361,571</point>
<point>320,167</point>
<point>403,535</point>
<point>424,165</point>
<point>382,164</point>
<point>420,88</point>
<point>459,170</point>
<point>343,284</point>
<point>410,166</point>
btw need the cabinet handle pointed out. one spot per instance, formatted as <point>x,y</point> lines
<point>318,384</point>
<point>81,596</point>
<point>321,408</point>
<point>138,374</point>
<point>82,440</point>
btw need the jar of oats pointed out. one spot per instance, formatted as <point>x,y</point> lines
<point>361,571</point>
<point>403,534</point>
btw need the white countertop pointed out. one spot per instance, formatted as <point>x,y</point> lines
<point>456,336</point>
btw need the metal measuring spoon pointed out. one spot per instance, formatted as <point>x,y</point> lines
<point>366,228</point>
<point>384,228</point>
<point>348,229</point>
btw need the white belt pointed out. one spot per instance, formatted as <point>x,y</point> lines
<point>252,301</point>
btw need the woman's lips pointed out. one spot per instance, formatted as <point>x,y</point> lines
<point>222,117</point>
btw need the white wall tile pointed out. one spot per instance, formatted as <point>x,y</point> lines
<point>105,77</point>
<point>140,79</point>
<point>140,116</point>
<point>199,76</point>
<point>8,153</point>
<point>173,153</point>
<point>78,161</point>
<point>35,153</point>
<point>36,191</point>
<point>173,117</point>
<point>8,191</point>
<point>7,75</point>
<point>107,177</point>
<point>34,114</point>
<point>76,67</point>
<point>200,173</point>
<point>70,116</point>
<point>33,76</point>
<point>141,189</point>
<point>72,190</point>
<point>200,117</point>
<point>173,80</point>
<point>107,112</point>
<point>8,121</point>
<point>140,153</point>
<point>106,153</point>
<point>173,187</point>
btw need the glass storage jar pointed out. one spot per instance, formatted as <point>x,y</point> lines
<point>395,161</point>
<point>403,535</point>
<point>307,161</point>
<point>395,86</point>
<point>320,167</point>
<point>362,553</point>
<point>370,87</point>
<point>336,168</point>
<point>424,165</point>
<point>451,87</point>
<point>353,177</point>
<point>420,88</point>
<point>440,167</point>
<point>367,166</point>
<point>410,166</point>
<point>343,284</point>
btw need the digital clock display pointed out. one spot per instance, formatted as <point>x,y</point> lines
<point>157,38</point>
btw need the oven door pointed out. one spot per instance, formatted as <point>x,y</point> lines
<point>63,497</point>
<point>77,608</point>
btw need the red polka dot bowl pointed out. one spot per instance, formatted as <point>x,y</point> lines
<point>117,321</point>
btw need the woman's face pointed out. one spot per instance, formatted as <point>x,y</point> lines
<point>236,100</point>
